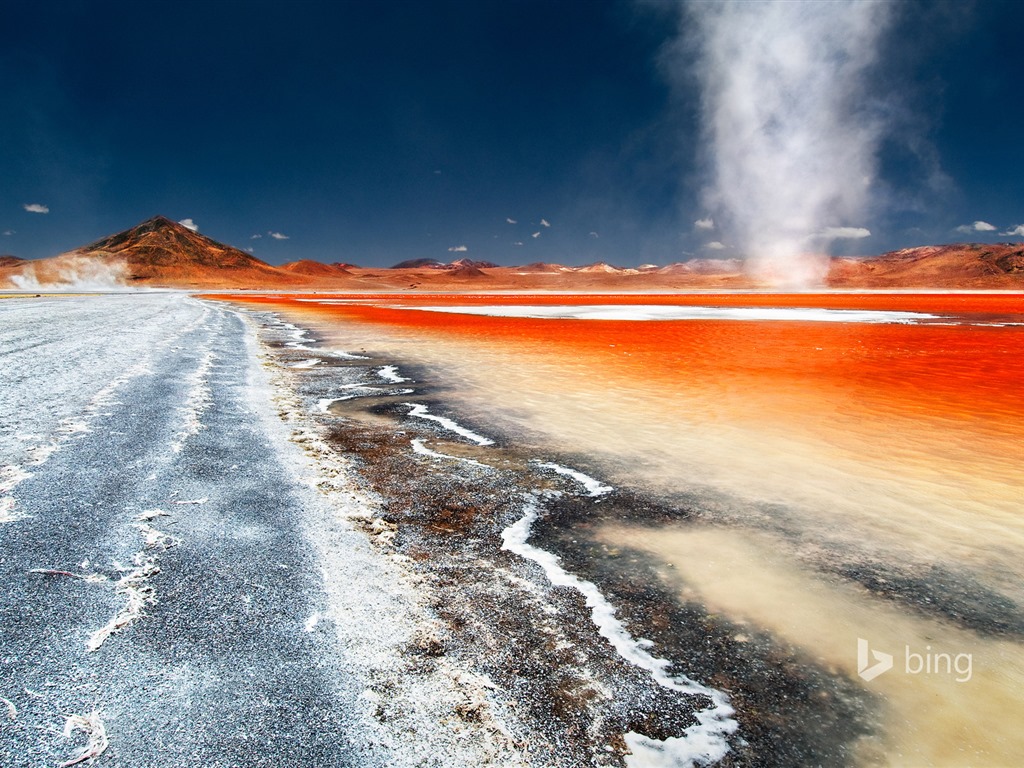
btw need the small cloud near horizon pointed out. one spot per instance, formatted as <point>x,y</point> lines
<point>714,245</point>
<point>511,221</point>
<point>594,235</point>
<point>545,223</point>
<point>8,232</point>
<point>535,234</point>
<point>978,226</point>
<point>278,236</point>
<point>845,233</point>
<point>1017,231</point>
<point>257,236</point>
<point>458,249</point>
<point>705,224</point>
<point>189,224</point>
<point>36,208</point>
<point>517,242</point>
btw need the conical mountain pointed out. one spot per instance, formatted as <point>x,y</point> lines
<point>164,252</point>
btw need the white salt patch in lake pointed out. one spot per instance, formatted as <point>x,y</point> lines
<point>664,312</point>
<point>594,487</point>
<point>420,411</point>
<point>300,341</point>
<point>333,301</point>
<point>418,446</point>
<point>703,742</point>
<point>390,373</point>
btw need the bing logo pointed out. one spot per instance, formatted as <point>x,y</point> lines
<point>931,663</point>
<point>883,661</point>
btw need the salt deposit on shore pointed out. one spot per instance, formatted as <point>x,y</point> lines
<point>189,640</point>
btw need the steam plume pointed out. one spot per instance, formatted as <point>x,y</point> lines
<point>792,145</point>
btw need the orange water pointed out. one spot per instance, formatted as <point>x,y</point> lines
<point>894,443</point>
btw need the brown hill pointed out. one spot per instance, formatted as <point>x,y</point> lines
<point>315,268</point>
<point>960,265</point>
<point>598,266</point>
<point>540,266</point>
<point>157,252</point>
<point>10,266</point>
<point>465,271</point>
<point>163,252</point>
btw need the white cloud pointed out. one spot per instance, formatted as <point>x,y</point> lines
<point>978,226</point>
<point>189,224</point>
<point>845,233</point>
<point>517,243</point>
<point>707,223</point>
<point>511,221</point>
<point>458,249</point>
<point>8,232</point>
<point>535,234</point>
<point>714,245</point>
<point>36,208</point>
<point>249,250</point>
<point>1017,231</point>
<point>544,223</point>
<point>594,235</point>
<point>256,237</point>
<point>277,235</point>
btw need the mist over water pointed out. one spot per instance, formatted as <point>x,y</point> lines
<point>788,130</point>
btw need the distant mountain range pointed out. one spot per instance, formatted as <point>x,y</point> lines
<point>435,264</point>
<point>162,253</point>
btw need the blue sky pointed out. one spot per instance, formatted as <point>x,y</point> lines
<point>373,132</point>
